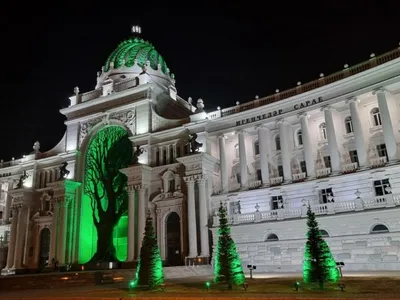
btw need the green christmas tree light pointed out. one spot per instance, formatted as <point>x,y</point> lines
<point>227,265</point>
<point>149,271</point>
<point>318,265</point>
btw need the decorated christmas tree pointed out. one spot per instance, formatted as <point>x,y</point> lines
<point>149,270</point>
<point>227,265</point>
<point>318,265</point>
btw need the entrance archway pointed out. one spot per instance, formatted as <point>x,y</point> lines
<point>44,248</point>
<point>173,239</point>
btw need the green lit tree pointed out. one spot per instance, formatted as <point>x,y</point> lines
<point>227,264</point>
<point>109,151</point>
<point>318,265</point>
<point>149,270</point>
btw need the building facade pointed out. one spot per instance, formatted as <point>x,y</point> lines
<point>332,143</point>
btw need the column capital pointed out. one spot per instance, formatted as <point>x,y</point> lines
<point>241,131</point>
<point>380,90</point>
<point>303,115</point>
<point>190,180</point>
<point>261,127</point>
<point>352,99</point>
<point>201,179</point>
<point>140,187</point>
<point>222,136</point>
<point>282,121</point>
<point>326,107</point>
<point>16,207</point>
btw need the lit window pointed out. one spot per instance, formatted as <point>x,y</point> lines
<point>299,138</point>
<point>381,187</point>
<point>278,143</point>
<point>256,148</point>
<point>376,117</point>
<point>348,124</point>
<point>322,129</point>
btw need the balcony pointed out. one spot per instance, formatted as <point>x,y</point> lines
<point>324,172</point>
<point>349,168</point>
<point>378,162</point>
<point>331,208</point>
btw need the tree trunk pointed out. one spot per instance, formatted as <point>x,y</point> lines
<point>105,244</point>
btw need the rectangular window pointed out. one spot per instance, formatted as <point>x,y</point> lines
<point>276,202</point>
<point>327,161</point>
<point>303,167</point>
<point>1,215</point>
<point>380,187</point>
<point>256,148</point>
<point>238,178</point>
<point>165,161</point>
<point>259,177</point>
<point>171,185</point>
<point>353,156</point>
<point>178,150</point>
<point>157,158</point>
<point>324,194</point>
<point>280,171</point>
<point>382,151</point>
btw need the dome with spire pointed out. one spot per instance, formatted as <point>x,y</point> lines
<point>133,57</point>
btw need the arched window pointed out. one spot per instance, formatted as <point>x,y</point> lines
<point>237,150</point>
<point>278,143</point>
<point>379,228</point>
<point>272,237</point>
<point>348,124</point>
<point>299,136</point>
<point>256,148</point>
<point>376,117</point>
<point>324,233</point>
<point>322,130</point>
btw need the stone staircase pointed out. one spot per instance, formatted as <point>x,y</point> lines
<point>91,278</point>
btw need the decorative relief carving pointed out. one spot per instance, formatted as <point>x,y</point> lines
<point>127,117</point>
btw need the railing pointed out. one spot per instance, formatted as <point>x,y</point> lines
<point>348,168</point>
<point>14,162</point>
<point>378,161</point>
<point>276,180</point>
<point>329,208</point>
<point>323,172</point>
<point>373,62</point>
<point>299,176</point>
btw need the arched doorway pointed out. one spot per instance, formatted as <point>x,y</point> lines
<point>173,239</point>
<point>44,248</point>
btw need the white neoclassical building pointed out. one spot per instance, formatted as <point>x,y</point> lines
<point>332,143</point>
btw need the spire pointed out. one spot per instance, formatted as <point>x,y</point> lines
<point>136,30</point>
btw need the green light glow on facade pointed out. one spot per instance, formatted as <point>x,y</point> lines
<point>318,265</point>
<point>135,48</point>
<point>227,265</point>
<point>149,271</point>
<point>103,221</point>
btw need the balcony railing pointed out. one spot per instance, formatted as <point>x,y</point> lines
<point>373,62</point>
<point>351,167</point>
<point>330,208</point>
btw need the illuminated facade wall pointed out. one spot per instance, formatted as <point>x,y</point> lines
<point>266,159</point>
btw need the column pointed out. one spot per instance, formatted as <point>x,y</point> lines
<point>7,207</point>
<point>223,164</point>
<point>387,126</point>
<point>142,214</point>
<point>285,151</point>
<point>13,237</point>
<point>27,236</point>
<point>192,228</point>
<point>54,226</point>
<point>204,241</point>
<point>19,240</point>
<point>244,178</point>
<point>131,225</point>
<point>308,149</point>
<point>358,133</point>
<point>62,230</point>
<point>332,142</point>
<point>263,139</point>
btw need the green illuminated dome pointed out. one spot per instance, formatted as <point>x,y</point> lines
<point>135,59</point>
<point>132,49</point>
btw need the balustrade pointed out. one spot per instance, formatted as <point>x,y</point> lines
<point>319,209</point>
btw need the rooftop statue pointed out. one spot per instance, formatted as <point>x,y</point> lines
<point>194,145</point>
<point>139,151</point>
<point>21,180</point>
<point>63,171</point>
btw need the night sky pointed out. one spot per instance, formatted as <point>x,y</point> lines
<point>221,53</point>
